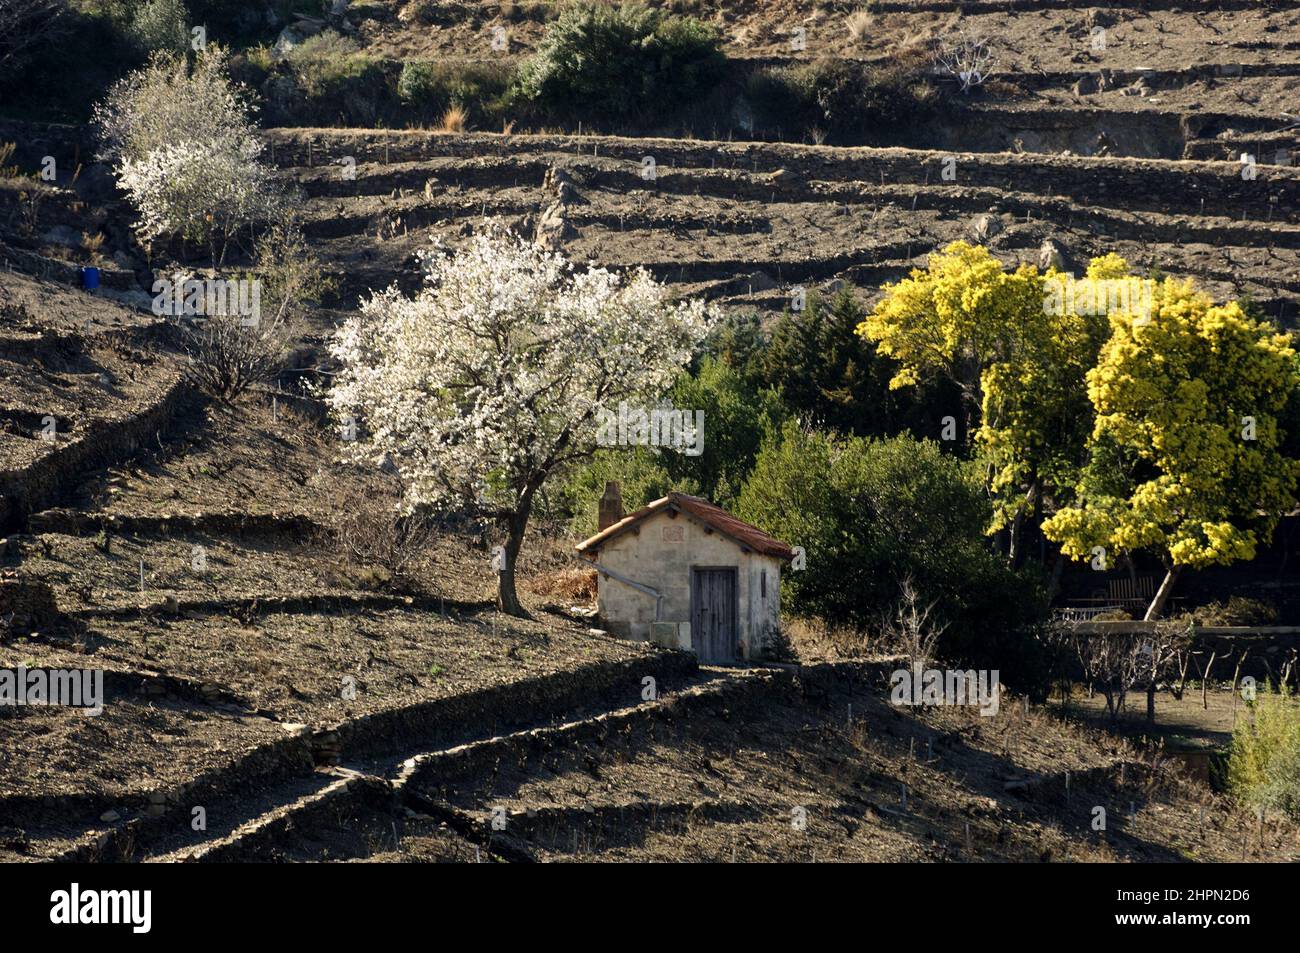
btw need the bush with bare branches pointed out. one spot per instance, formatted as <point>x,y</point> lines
<point>231,352</point>
<point>373,533</point>
<point>968,59</point>
<point>1115,663</point>
<point>912,630</point>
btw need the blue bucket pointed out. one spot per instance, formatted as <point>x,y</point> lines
<point>90,278</point>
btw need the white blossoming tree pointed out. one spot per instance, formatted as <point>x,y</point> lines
<point>489,380</point>
<point>181,140</point>
<point>202,192</point>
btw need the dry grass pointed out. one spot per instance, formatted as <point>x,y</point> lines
<point>573,583</point>
<point>93,246</point>
<point>859,22</point>
<point>8,171</point>
<point>454,119</point>
<point>814,640</point>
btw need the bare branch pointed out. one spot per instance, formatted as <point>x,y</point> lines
<point>967,59</point>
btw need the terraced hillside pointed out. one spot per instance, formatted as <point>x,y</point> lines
<point>1192,79</point>
<point>745,223</point>
<point>272,700</point>
<point>270,690</point>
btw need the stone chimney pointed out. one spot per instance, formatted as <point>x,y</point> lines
<point>611,506</point>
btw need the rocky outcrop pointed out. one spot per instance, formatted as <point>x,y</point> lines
<point>553,227</point>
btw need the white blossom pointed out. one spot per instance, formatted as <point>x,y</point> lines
<point>184,148</point>
<point>194,188</point>
<point>490,377</point>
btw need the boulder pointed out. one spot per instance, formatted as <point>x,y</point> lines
<point>985,227</point>
<point>1051,255</point>
<point>554,228</point>
<point>783,178</point>
<point>563,184</point>
<point>286,41</point>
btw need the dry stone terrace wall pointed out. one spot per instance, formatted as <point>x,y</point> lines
<point>334,808</point>
<point>100,443</point>
<point>511,704</point>
<point>1120,75</point>
<point>303,747</point>
<point>1152,184</point>
<point>524,751</point>
<point>325,187</point>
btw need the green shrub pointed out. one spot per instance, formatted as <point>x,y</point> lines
<point>737,418</point>
<point>325,62</point>
<point>832,376</point>
<point>641,477</point>
<point>627,62</point>
<point>738,340</point>
<point>873,513</point>
<point>427,89</point>
<point>848,100</point>
<point>336,81</point>
<point>418,83</point>
<point>161,25</point>
<point>1264,761</point>
<point>781,97</point>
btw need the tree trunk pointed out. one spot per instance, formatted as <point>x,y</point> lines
<point>1054,585</point>
<point>1014,549</point>
<point>515,525</point>
<point>1162,595</point>
<point>1013,545</point>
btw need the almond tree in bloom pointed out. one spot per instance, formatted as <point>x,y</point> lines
<point>201,191</point>
<point>182,143</point>
<point>489,380</point>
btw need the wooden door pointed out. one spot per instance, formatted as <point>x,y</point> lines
<point>714,608</point>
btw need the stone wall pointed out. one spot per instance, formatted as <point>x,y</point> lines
<point>1159,185</point>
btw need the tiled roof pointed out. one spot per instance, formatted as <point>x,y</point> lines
<point>735,529</point>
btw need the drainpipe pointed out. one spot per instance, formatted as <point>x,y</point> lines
<point>658,596</point>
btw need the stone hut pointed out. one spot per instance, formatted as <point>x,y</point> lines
<point>686,574</point>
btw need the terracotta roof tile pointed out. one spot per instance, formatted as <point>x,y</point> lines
<point>730,526</point>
